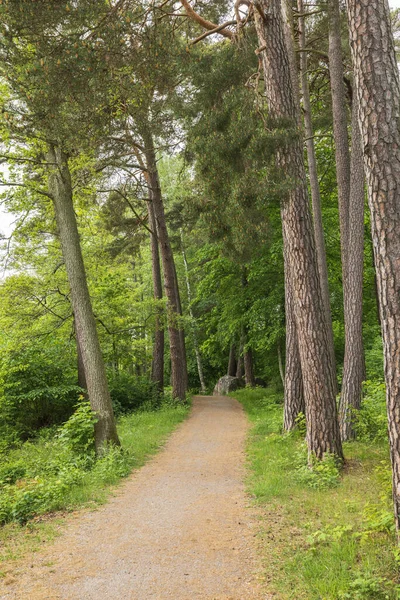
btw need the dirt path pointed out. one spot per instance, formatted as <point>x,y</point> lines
<point>179,528</point>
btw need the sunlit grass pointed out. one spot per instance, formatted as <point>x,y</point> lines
<point>313,541</point>
<point>141,435</point>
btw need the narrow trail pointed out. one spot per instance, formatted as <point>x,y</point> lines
<point>179,528</point>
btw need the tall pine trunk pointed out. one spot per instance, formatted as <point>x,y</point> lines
<point>314,182</point>
<point>293,379</point>
<point>157,366</point>
<point>378,88</point>
<point>177,350</point>
<point>354,363</point>
<point>60,188</point>
<point>339,112</point>
<point>350,182</point>
<point>312,329</point>
<point>294,392</point>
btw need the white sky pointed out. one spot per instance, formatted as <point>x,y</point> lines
<point>394,3</point>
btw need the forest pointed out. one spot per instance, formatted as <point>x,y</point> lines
<point>205,192</point>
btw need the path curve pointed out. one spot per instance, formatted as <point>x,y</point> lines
<point>180,527</point>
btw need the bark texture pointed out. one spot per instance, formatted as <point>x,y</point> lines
<point>81,369</point>
<point>157,366</point>
<point>294,392</point>
<point>378,88</point>
<point>315,352</point>
<point>350,181</point>
<point>354,365</point>
<point>314,183</point>
<point>339,110</point>
<point>60,188</point>
<point>177,350</point>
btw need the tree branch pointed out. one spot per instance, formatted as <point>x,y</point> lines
<point>203,22</point>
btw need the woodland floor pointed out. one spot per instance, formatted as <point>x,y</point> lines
<point>181,527</point>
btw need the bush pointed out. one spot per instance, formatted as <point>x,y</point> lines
<point>78,432</point>
<point>129,393</point>
<point>371,419</point>
<point>37,390</point>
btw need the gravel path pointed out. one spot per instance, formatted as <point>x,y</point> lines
<point>179,528</point>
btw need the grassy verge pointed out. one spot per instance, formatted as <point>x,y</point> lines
<point>325,537</point>
<point>55,480</point>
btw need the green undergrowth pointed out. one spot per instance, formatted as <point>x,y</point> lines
<point>327,534</point>
<point>58,472</point>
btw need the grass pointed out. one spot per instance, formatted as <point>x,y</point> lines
<point>141,435</point>
<point>332,541</point>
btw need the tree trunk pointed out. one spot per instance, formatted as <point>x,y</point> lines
<point>193,321</point>
<point>178,358</point>
<point>312,331</point>
<point>81,369</point>
<point>157,366</point>
<point>239,370</point>
<point>354,365</point>
<point>378,88</point>
<point>350,181</point>
<point>60,188</point>
<point>294,392</point>
<point>181,329</point>
<point>339,112</point>
<point>314,184</point>
<point>287,14</point>
<point>232,363</point>
<point>280,364</point>
<point>249,368</point>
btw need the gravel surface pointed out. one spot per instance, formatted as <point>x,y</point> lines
<point>180,527</point>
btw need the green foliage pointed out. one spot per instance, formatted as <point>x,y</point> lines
<point>369,588</point>
<point>60,470</point>
<point>317,474</point>
<point>78,432</point>
<point>129,393</point>
<point>36,389</point>
<point>371,419</point>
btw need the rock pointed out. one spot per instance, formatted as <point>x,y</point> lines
<point>227,384</point>
<point>260,382</point>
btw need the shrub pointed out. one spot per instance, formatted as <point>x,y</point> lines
<point>129,393</point>
<point>38,389</point>
<point>371,419</point>
<point>78,432</point>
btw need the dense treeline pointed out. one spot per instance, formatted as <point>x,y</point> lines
<point>189,199</point>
